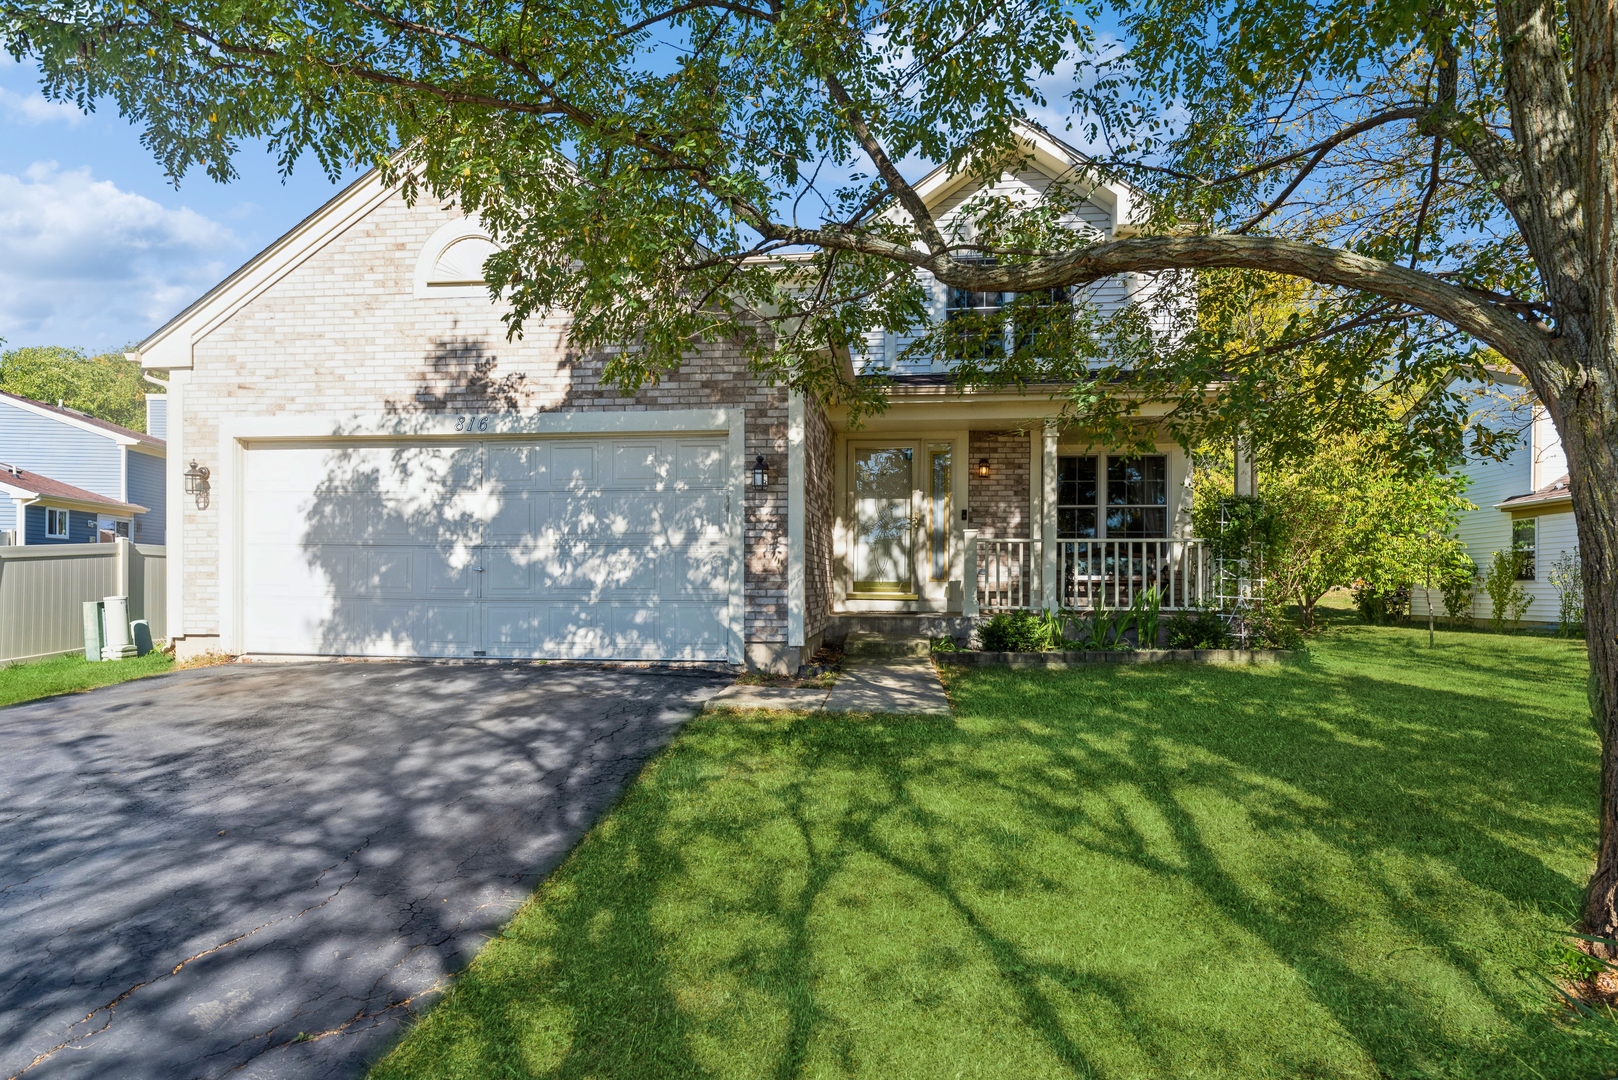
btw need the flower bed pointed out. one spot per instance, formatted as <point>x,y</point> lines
<point>1073,658</point>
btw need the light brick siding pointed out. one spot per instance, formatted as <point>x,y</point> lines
<point>344,335</point>
<point>819,513</point>
<point>998,503</point>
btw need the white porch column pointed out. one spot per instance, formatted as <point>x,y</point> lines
<point>1246,484</point>
<point>796,494</point>
<point>1050,597</point>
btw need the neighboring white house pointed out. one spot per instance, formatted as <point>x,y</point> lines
<point>1523,501</point>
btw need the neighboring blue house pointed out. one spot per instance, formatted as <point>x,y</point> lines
<point>113,477</point>
<point>56,513</point>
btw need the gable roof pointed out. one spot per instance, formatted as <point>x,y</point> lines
<point>122,435</point>
<point>1053,156</point>
<point>22,482</point>
<point>169,346</point>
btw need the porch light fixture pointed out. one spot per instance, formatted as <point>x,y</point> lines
<point>983,467</point>
<point>196,484</point>
<point>761,472</point>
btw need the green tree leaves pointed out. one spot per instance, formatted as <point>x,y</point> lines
<point>106,386</point>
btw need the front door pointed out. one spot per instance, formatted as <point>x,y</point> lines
<point>884,485</point>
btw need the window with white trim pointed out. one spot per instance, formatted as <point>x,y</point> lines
<point>56,523</point>
<point>1076,490</point>
<point>1525,545</point>
<point>1138,496</point>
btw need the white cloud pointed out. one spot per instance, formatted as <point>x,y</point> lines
<point>35,109</point>
<point>83,262</point>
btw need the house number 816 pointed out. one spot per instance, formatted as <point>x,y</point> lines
<point>471,423</point>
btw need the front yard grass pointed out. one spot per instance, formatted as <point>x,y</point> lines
<point>1351,865</point>
<point>67,674</point>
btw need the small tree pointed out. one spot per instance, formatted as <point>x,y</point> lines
<point>1567,576</point>
<point>1508,599</point>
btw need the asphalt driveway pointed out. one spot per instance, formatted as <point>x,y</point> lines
<point>260,871</point>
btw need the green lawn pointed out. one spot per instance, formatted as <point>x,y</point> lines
<point>1349,866</point>
<point>65,674</point>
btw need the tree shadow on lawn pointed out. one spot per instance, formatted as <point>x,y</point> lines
<point>1338,868</point>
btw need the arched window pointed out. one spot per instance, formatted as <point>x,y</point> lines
<point>451,262</point>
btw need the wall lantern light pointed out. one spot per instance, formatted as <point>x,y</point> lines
<point>983,467</point>
<point>761,472</point>
<point>196,484</point>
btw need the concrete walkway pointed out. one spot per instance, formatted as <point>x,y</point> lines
<point>906,685</point>
<point>899,684</point>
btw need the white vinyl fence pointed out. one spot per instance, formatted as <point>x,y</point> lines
<point>43,589</point>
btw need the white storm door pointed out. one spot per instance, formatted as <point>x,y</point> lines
<point>883,490</point>
<point>607,548</point>
<point>362,549</point>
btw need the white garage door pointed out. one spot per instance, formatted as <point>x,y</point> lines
<point>610,548</point>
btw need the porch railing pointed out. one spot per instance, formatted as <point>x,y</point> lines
<point>1110,573</point>
<point>1007,574</point>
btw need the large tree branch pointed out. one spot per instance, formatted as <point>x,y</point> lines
<point>1461,308</point>
<point>907,196</point>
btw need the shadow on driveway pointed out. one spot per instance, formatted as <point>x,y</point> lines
<point>265,869</point>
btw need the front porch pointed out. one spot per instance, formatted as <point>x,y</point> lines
<point>951,522</point>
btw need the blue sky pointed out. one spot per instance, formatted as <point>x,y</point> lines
<point>97,249</point>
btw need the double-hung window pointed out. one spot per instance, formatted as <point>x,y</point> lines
<point>1138,496</point>
<point>56,523</point>
<point>972,318</point>
<point>1076,505</point>
<point>1525,545</point>
<point>1132,503</point>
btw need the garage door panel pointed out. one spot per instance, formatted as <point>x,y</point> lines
<point>599,548</point>
<point>642,464</point>
<point>571,465</point>
<point>518,466</point>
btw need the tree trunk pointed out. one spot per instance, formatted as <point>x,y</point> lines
<point>1590,438</point>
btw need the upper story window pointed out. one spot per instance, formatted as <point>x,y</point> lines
<point>976,333</point>
<point>1138,496</point>
<point>56,523</point>
<point>1525,545</point>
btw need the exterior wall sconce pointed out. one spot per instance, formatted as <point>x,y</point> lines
<point>983,467</point>
<point>761,472</point>
<point>196,484</point>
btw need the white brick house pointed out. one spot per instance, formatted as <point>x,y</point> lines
<point>390,476</point>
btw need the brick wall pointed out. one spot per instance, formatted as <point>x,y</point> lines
<point>998,504</point>
<point>344,335</point>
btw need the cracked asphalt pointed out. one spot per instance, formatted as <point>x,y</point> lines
<point>263,871</point>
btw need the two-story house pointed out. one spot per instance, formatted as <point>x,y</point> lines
<point>389,475</point>
<point>68,478</point>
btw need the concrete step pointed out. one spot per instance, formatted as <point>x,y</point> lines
<point>865,645</point>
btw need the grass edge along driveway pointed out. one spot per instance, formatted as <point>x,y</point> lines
<point>72,673</point>
<point>1351,866</point>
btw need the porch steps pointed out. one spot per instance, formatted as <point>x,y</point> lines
<point>870,645</point>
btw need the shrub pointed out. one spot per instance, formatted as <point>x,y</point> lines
<point>1022,631</point>
<point>1567,577</point>
<point>1201,628</point>
<point>1382,606</point>
<point>1457,578</point>
<point>1271,631</point>
<point>1506,594</point>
